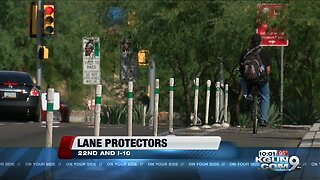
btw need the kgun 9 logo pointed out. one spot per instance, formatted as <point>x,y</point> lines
<point>277,160</point>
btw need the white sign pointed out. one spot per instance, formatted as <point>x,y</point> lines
<point>91,60</point>
<point>56,102</point>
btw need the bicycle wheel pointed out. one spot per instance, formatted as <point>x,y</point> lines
<point>255,114</point>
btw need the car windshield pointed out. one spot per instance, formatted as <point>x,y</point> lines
<point>17,77</point>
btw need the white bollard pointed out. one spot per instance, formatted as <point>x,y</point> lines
<point>221,102</point>
<point>206,126</point>
<point>144,115</point>
<point>217,123</point>
<point>130,106</point>
<point>195,113</point>
<point>49,120</point>
<point>225,120</point>
<point>156,108</point>
<point>97,110</point>
<point>171,85</point>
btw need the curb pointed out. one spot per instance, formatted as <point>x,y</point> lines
<point>311,138</point>
<point>187,131</point>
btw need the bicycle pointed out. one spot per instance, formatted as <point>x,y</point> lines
<point>255,107</point>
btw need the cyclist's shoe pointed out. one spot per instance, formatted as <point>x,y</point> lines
<point>263,123</point>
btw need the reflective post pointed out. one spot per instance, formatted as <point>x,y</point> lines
<point>171,85</point>
<point>206,126</point>
<point>97,110</point>
<point>225,120</point>
<point>196,97</point>
<point>49,120</point>
<point>130,106</point>
<point>156,109</point>
<point>217,123</point>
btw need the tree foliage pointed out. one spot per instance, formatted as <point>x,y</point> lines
<point>187,40</point>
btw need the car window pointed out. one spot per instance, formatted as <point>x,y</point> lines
<point>15,77</point>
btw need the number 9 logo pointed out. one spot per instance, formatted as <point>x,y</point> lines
<point>294,161</point>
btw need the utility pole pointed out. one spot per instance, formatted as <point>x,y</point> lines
<point>39,41</point>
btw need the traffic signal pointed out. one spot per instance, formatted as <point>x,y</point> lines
<point>33,19</point>
<point>48,19</point>
<point>43,53</point>
<point>142,57</point>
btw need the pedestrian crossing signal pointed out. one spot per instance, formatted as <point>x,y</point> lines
<point>43,53</point>
<point>142,57</point>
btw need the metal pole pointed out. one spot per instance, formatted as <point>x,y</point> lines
<point>171,85</point>
<point>130,106</point>
<point>281,87</point>
<point>49,120</point>
<point>217,123</point>
<point>92,105</point>
<point>195,111</point>
<point>225,119</point>
<point>151,79</point>
<point>156,109</point>
<point>97,110</point>
<point>206,126</point>
<point>38,42</point>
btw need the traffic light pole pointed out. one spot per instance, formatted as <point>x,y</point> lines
<point>38,42</point>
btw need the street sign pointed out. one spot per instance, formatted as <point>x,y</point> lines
<point>269,36</point>
<point>91,60</point>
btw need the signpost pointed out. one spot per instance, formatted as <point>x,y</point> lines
<point>91,64</point>
<point>272,36</point>
<point>91,60</point>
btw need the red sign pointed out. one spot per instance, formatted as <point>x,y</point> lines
<point>270,37</point>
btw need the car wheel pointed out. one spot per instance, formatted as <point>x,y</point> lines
<point>34,118</point>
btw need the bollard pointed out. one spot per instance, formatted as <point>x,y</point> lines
<point>217,123</point>
<point>206,126</point>
<point>156,108</point>
<point>49,120</point>
<point>221,102</point>
<point>195,113</point>
<point>97,110</point>
<point>144,115</point>
<point>130,106</point>
<point>225,120</point>
<point>171,85</point>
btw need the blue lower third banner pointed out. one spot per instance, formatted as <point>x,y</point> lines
<point>226,162</point>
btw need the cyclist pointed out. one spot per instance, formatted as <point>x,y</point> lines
<point>263,84</point>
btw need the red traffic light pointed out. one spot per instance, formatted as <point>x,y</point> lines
<point>48,10</point>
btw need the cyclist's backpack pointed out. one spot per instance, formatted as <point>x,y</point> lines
<point>254,71</point>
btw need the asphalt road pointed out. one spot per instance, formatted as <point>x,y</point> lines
<point>30,134</point>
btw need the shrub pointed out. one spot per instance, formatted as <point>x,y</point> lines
<point>114,114</point>
<point>299,112</point>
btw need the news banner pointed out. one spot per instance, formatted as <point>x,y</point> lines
<point>155,156</point>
